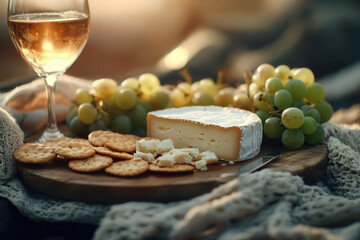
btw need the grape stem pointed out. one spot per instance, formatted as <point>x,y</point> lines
<point>219,79</point>
<point>99,107</point>
<point>185,74</point>
<point>276,111</point>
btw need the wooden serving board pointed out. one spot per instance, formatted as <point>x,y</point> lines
<point>57,180</point>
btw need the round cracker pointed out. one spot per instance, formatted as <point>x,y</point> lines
<point>34,153</point>
<point>73,150</point>
<point>121,142</point>
<point>128,168</point>
<point>111,153</point>
<point>177,168</point>
<point>90,164</point>
<point>96,137</point>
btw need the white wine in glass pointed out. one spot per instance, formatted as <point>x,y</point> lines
<point>49,35</point>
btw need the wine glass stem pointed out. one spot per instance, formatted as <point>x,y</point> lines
<point>50,90</point>
<point>51,130</point>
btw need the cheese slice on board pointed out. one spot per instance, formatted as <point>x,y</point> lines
<point>231,133</point>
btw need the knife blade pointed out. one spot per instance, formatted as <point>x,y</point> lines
<point>254,165</point>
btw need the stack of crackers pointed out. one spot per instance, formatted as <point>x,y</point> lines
<point>102,151</point>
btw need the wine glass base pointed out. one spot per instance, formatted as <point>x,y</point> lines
<point>49,135</point>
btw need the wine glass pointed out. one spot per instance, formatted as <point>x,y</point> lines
<point>49,35</point>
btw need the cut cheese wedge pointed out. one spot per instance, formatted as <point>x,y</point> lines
<point>232,134</point>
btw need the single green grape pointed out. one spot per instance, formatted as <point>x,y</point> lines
<point>262,73</point>
<point>241,100</point>
<point>292,118</point>
<point>148,84</point>
<point>309,125</point>
<point>83,96</point>
<point>261,102</point>
<point>305,75</point>
<point>208,85</point>
<point>283,73</point>
<point>263,115</point>
<point>273,128</point>
<point>131,83</point>
<point>180,97</point>
<point>126,99</point>
<point>272,85</point>
<point>138,116</point>
<point>97,125</point>
<point>121,124</point>
<point>297,88</point>
<point>202,99</point>
<point>283,99</point>
<point>224,97</point>
<point>104,87</point>
<point>293,138</point>
<point>325,110</point>
<point>159,99</point>
<point>78,128</point>
<point>87,113</point>
<point>315,93</point>
<point>316,137</point>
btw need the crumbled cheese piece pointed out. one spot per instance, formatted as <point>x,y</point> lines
<point>147,146</point>
<point>192,151</point>
<point>181,156</point>
<point>148,157</point>
<point>201,164</point>
<point>208,156</point>
<point>166,160</point>
<point>231,162</point>
<point>165,146</point>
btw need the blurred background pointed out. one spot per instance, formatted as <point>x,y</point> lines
<point>131,37</point>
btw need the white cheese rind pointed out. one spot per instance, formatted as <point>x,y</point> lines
<point>209,128</point>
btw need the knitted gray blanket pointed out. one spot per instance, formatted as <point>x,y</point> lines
<point>261,205</point>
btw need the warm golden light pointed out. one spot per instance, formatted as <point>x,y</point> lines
<point>47,46</point>
<point>177,58</point>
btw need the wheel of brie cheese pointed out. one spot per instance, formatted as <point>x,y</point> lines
<point>232,134</point>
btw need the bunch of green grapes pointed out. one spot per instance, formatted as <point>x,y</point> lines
<point>119,108</point>
<point>290,104</point>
